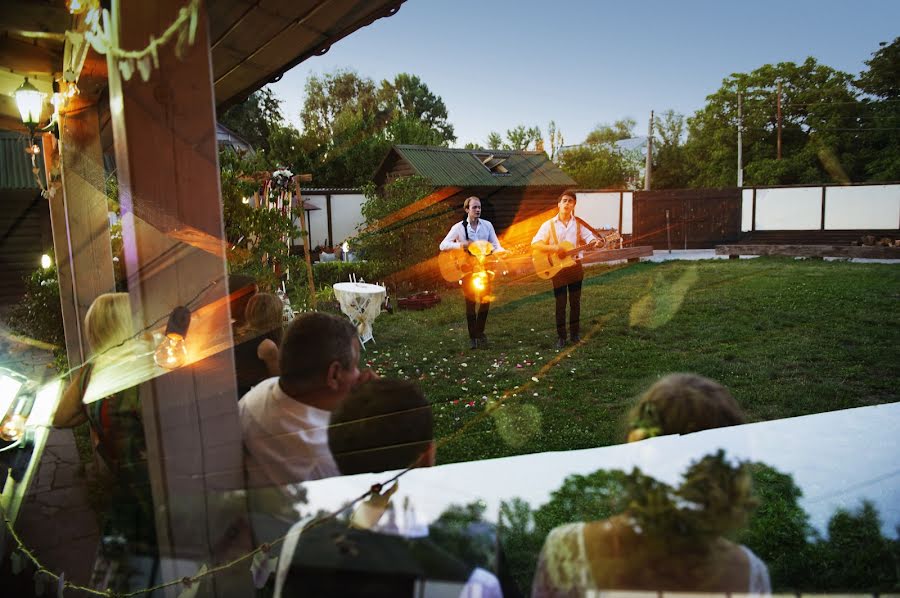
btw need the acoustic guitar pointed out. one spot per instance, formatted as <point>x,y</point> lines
<point>455,264</point>
<point>547,263</point>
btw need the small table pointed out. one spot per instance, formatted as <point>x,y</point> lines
<point>361,302</point>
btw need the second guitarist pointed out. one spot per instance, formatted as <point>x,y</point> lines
<point>461,236</point>
<point>566,227</point>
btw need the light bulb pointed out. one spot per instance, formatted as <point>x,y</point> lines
<point>479,281</point>
<point>13,425</point>
<point>171,352</point>
<point>46,262</point>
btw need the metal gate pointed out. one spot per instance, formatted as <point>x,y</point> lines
<point>686,218</point>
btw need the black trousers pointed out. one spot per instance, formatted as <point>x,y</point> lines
<point>476,312</point>
<point>568,282</point>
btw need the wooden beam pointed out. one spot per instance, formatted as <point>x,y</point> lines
<point>29,58</point>
<point>79,218</point>
<point>27,15</point>
<point>433,198</point>
<point>166,156</point>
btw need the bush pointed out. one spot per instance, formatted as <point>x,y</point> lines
<point>329,273</point>
<point>39,314</point>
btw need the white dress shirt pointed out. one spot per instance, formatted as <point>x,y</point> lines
<point>483,231</point>
<point>572,232</point>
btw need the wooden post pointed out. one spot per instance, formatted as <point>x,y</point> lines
<point>305,235</point>
<point>778,118</point>
<point>649,166</point>
<point>167,160</point>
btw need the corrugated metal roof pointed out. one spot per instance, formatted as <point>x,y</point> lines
<point>462,168</point>
<point>15,164</point>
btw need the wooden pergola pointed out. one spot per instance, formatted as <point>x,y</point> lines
<point>162,133</point>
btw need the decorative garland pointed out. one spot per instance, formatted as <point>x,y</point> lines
<point>100,36</point>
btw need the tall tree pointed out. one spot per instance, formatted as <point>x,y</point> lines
<point>519,138</point>
<point>779,531</point>
<point>599,167</point>
<point>409,99</point>
<point>338,98</point>
<point>609,134</point>
<point>819,116</point>
<point>255,118</point>
<point>880,131</point>
<point>671,169</point>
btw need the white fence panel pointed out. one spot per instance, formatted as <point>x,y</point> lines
<point>797,208</point>
<point>600,209</point>
<point>746,210</point>
<point>871,206</point>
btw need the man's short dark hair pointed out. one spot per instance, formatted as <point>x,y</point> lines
<point>568,193</point>
<point>382,425</point>
<point>312,342</point>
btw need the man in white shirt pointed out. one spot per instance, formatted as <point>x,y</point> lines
<point>382,425</point>
<point>566,227</point>
<point>284,420</point>
<point>461,236</point>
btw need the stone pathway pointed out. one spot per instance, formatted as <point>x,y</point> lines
<point>55,521</point>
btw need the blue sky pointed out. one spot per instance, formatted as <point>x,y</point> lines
<point>498,64</point>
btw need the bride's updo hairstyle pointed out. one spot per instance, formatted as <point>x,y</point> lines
<point>682,404</point>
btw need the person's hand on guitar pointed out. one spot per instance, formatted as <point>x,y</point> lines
<point>560,251</point>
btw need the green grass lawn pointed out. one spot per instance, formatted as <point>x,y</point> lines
<point>786,337</point>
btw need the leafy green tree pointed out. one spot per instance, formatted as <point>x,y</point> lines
<point>555,138</point>
<point>671,169</point>
<point>397,244</point>
<point>779,530</point>
<point>609,134</point>
<point>857,557</point>
<point>410,101</point>
<point>820,118</point>
<point>518,138</point>
<point>255,118</point>
<point>520,544</point>
<point>462,531</point>
<point>598,167</point>
<point>880,133</point>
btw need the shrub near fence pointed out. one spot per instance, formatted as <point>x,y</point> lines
<point>328,273</point>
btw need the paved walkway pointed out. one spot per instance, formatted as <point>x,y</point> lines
<point>56,520</point>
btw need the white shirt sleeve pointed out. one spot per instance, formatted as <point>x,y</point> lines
<point>492,237</point>
<point>543,234</point>
<point>453,238</point>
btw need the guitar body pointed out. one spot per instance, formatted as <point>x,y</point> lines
<point>548,264</point>
<point>454,264</point>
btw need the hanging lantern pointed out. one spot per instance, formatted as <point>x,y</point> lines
<point>30,102</point>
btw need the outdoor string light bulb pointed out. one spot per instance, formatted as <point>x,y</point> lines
<point>46,261</point>
<point>172,351</point>
<point>13,425</point>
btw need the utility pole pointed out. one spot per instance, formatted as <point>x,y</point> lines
<point>649,166</point>
<point>778,153</point>
<point>740,174</point>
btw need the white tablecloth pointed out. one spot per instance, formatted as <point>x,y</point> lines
<point>361,302</point>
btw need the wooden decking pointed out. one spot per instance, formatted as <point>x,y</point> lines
<point>814,251</point>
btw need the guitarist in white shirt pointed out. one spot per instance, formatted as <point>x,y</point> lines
<point>461,235</point>
<point>565,227</point>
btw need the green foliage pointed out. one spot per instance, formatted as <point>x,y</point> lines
<point>411,101</point>
<point>255,119</point>
<point>819,110</point>
<point>39,314</point>
<point>880,146</point>
<point>856,557</point>
<point>329,273</point>
<point>779,530</point>
<point>598,167</point>
<point>256,237</point>
<point>462,531</point>
<point>517,138</point>
<point>609,134</point>
<point>671,167</point>
<point>412,240</point>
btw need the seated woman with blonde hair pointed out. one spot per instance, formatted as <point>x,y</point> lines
<point>667,538</point>
<point>116,424</point>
